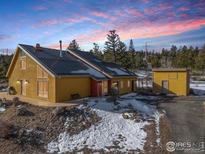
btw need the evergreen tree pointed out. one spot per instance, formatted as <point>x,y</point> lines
<point>73,45</point>
<point>111,45</point>
<point>132,52</point>
<point>200,60</point>
<point>96,51</point>
<point>123,56</point>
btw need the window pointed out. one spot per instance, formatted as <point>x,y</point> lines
<point>121,84</point>
<point>128,83</point>
<point>42,89</point>
<point>42,83</point>
<point>23,63</point>
<point>105,87</point>
<point>41,73</point>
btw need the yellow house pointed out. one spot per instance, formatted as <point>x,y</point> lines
<point>59,75</point>
<point>171,81</point>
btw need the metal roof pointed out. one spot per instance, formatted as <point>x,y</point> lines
<point>113,69</point>
<point>67,65</point>
<point>169,70</point>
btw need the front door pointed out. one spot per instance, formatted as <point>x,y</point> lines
<point>23,87</point>
<point>165,87</point>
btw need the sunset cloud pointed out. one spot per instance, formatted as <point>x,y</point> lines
<point>149,31</point>
<point>134,12</point>
<point>100,14</point>
<point>90,21</point>
<point>71,20</point>
<point>4,37</point>
<point>183,8</point>
<point>40,8</point>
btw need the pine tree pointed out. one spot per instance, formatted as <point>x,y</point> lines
<point>132,52</point>
<point>111,45</point>
<point>73,45</point>
<point>96,51</point>
<point>200,60</point>
<point>121,54</point>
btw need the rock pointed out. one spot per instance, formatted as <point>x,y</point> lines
<point>22,111</point>
<point>31,137</point>
<point>7,130</point>
<point>126,115</point>
<point>58,111</point>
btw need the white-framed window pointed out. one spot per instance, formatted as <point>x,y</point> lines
<point>42,89</point>
<point>23,63</point>
<point>121,84</point>
<point>128,83</point>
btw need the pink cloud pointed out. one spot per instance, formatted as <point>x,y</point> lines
<point>146,30</point>
<point>183,8</point>
<point>100,14</point>
<point>56,21</point>
<point>145,1</point>
<point>158,8</point>
<point>134,12</point>
<point>67,1</point>
<point>40,8</point>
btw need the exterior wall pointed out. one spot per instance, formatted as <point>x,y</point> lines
<point>30,74</point>
<point>66,86</point>
<point>125,89</point>
<point>178,82</point>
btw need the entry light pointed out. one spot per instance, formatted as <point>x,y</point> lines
<point>18,81</point>
<point>26,82</point>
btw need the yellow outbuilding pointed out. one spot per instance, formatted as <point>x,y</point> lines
<point>171,81</point>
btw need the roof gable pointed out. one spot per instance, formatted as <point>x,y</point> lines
<point>67,65</point>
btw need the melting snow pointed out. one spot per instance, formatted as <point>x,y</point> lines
<point>90,71</point>
<point>118,71</point>
<point>128,134</point>
<point>198,87</point>
<point>2,109</point>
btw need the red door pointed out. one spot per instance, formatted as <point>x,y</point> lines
<point>96,88</point>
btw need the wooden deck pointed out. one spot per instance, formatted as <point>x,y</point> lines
<point>39,102</point>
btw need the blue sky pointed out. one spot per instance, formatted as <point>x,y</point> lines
<point>161,23</point>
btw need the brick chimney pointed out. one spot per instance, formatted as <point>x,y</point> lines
<point>38,47</point>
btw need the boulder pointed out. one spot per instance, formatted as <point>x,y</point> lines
<point>7,130</point>
<point>22,111</point>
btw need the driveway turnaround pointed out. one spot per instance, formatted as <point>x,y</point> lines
<point>187,120</point>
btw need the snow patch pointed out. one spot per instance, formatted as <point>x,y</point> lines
<point>198,87</point>
<point>90,71</point>
<point>113,130</point>
<point>2,109</point>
<point>118,71</point>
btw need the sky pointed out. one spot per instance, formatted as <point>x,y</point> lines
<point>160,23</point>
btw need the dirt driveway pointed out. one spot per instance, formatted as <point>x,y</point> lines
<point>187,119</point>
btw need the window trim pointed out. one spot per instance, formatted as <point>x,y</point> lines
<point>128,83</point>
<point>23,59</point>
<point>121,84</point>
<point>37,88</point>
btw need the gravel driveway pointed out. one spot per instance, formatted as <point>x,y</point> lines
<point>187,119</point>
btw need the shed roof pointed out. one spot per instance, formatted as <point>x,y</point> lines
<point>170,70</point>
